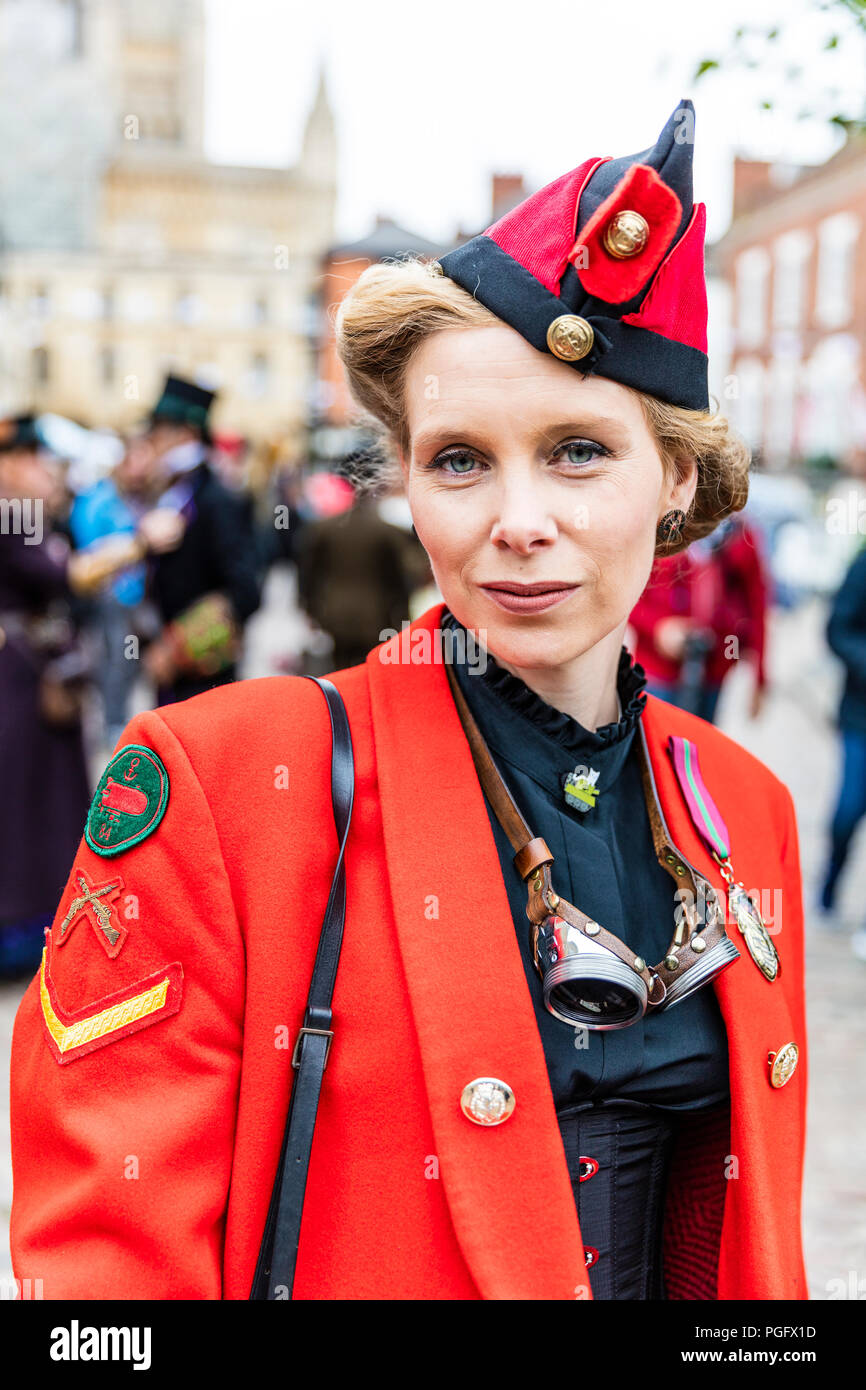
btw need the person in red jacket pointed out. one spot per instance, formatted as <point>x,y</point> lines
<point>510,1109</point>
<point>702,610</point>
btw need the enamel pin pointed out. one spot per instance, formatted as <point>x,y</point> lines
<point>580,789</point>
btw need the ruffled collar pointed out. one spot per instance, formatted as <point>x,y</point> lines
<point>568,732</point>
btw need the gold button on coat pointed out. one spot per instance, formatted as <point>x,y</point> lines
<point>570,337</point>
<point>782,1064</point>
<point>487,1101</point>
<point>626,234</point>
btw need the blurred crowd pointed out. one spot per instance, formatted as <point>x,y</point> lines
<point>132,588</point>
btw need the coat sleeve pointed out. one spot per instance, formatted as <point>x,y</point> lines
<point>126,1063</point>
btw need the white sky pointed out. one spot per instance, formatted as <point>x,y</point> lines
<point>430,100</point>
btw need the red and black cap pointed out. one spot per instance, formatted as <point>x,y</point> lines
<point>604,268</point>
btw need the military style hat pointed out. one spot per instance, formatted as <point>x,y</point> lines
<point>184,403</point>
<point>604,268</point>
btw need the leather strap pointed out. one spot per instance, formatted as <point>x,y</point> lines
<point>494,784</point>
<point>275,1268</point>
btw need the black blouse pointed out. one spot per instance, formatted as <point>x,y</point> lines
<point>620,1095</point>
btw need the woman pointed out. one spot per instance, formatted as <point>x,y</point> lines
<point>471,1142</point>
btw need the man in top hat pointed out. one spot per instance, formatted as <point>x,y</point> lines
<point>207,587</point>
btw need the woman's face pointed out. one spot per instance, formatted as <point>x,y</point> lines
<point>522,472</point>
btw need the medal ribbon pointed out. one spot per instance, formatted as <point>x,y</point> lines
<point>708,819</point>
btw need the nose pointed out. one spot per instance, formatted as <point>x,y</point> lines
<point>523,521</point>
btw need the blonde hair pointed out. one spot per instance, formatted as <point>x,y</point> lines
<point>395,305</point>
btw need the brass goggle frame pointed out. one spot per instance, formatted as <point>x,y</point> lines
<point>568,946</point>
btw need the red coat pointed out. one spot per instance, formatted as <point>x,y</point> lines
<point>734,595</point>
<point>143,1162</point>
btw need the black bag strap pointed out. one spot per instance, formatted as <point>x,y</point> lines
<point>275,1268</point>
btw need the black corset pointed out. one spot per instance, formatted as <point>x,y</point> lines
<point>618,1154</point>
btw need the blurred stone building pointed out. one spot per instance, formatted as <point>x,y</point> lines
<point>335,433</point>
<point>334,417</point>
<point>794,260</point>
<point>124,252</point>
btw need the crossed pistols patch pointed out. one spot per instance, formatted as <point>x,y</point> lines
<point>128,803</point>
<point>73,1034</point>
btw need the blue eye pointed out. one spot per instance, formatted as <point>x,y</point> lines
<point>458,456</point>
<point>581,451</point>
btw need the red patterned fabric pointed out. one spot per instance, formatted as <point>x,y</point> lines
<point>695,1206</point>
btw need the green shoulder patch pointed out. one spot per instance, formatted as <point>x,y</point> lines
<point>129,802</point>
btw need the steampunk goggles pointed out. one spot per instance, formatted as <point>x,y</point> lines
<point>591,978</point>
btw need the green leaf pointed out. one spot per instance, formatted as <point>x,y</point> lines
<point>706,66</point>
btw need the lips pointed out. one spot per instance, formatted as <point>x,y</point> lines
<point>529,598</point>
<point>543,587</point>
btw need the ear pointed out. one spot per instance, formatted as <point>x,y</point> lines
<point>682,489</point>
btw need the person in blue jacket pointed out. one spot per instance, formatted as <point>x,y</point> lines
<point>846,636</point>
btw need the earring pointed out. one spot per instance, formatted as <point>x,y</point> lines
<point>670,527</point>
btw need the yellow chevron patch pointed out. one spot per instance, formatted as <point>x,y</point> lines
<point>73,1035</point>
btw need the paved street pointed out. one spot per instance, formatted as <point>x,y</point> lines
<point>795,737</point>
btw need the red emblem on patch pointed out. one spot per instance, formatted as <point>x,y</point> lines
<point>117,797</point>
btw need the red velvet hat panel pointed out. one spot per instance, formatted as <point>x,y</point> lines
<point>615,279</point>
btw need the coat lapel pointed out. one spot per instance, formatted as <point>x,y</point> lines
<point>764,1121</point>
<point>507,1186</point>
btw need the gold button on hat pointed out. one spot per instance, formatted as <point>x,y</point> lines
<point>782,1064</point>
<point>570,337</point>
<point>487,1101</point>
<point>626,234</point>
